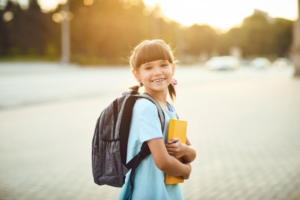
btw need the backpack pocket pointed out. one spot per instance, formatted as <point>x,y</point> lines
<point>108,169</point>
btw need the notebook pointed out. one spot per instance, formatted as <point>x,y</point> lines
<point>177,129</point>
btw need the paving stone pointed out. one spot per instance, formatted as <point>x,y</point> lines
<point>244,126</point>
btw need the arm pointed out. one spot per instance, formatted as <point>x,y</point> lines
<point>165,162</point>
<point>180,150</point>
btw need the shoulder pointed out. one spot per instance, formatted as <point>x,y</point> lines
<point>144,105</point>
<point>146,120</point>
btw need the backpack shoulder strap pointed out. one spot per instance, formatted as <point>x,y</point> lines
<point>134,163</point>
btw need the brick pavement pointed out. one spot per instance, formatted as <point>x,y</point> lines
<point>245,128</point>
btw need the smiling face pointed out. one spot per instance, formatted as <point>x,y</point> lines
<point>153,65</point>
<point>155,76</point>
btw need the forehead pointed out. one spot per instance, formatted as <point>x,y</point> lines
<point>152,51</point>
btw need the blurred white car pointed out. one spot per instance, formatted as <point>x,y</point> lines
<point>222,63</point>
<point>281,63</point>
<point>260,63</point>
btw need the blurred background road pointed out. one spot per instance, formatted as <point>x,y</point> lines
<point>243,123</point>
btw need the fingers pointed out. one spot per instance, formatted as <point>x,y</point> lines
<point>172,145</point>
<point>173,140</point>
<point>172,151</point>
<point>174,148</point>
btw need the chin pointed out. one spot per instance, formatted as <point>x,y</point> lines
<point>162,89</point>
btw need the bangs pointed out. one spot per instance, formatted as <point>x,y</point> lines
<point>150,51</point>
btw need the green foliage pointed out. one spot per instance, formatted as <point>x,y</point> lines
<point>283,36</point>
<point>29,30</point>
<point>31,52</point>
<point>51,51</point>
<point>106,31</point>
<point>259,37</point>
<point>200,39</point>
<point>14,51</point>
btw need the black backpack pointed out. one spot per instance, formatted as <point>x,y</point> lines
<point>109,147</point>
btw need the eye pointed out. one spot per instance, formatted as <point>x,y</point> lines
<point>148,68</point>
<point>164,65</point>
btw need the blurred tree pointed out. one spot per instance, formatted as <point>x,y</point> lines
<point>259,37</point>
<point>168,32</point>
<point>106,29</point>
<point>9,29</point>
<point>256,35</point>
<point>282,37</point>
<point>200,39</point>
<point>103,31</point>
<point>28,32</point>
<point>33,28</point>
<point>227,40</point>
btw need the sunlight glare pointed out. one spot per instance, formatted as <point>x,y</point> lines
<point>50,4</point>
<point>216,13</point>
<point>222,14</point>
<point>88,2</point>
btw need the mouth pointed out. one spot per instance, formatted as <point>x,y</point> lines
<point>158,80</point>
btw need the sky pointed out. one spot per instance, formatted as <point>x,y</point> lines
<point>223,14</point>
<point>219,14</point>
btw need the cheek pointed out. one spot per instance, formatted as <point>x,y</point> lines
<point>169,73</point>
<point>145,76</point>
<point>169,79</point>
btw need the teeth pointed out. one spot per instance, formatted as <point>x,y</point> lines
<point>158,80</point>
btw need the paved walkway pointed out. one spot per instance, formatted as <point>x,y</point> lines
<point>244,125</point>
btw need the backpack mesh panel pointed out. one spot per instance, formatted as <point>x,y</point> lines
<point>106,161</point>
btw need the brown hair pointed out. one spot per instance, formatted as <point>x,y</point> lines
<point>148,51</point>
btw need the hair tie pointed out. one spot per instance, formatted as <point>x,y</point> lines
<point>174,82</point>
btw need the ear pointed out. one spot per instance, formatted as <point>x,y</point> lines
<point>173,69</point>
<point>136,75</point>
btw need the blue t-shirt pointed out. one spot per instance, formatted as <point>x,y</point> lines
<point>149,180</point>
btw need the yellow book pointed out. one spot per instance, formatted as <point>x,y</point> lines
<point>177,129</point>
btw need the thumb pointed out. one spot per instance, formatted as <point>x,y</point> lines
<point>173,140</point>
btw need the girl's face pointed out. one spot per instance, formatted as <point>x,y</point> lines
<point>156,75</point>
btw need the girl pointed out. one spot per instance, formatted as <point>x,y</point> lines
<point>153,67</point>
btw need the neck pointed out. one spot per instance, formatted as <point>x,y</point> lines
<point>160,97</point>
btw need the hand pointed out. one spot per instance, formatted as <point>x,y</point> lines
<point>189,171</point>
<point>176,148</point>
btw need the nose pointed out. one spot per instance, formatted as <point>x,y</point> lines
<point>157,71</point>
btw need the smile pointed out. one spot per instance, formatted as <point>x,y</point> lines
<point>158,80</point>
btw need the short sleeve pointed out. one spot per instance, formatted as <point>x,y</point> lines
<point>149,123</point>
